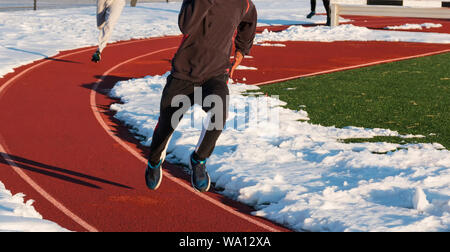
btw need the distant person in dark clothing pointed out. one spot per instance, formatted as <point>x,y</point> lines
<point>326,4</point>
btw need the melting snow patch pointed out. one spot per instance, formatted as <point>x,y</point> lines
<point>300,174</point>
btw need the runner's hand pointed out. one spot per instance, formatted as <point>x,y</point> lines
<point>238,57</point>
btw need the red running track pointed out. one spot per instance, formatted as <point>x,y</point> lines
<point>84,178</point>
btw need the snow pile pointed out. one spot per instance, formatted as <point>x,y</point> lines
<point>349,33</point>
<point>271,44</point>
<point>414,26</point>
<point>241,67</point>
<point>18,216</point>
<point>291,175</point>
<point>27,36</point>
<point>302,175</point>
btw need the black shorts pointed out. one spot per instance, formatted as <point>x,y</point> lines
<point>177,97</point>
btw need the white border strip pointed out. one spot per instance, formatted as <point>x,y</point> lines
<point>404,3</point>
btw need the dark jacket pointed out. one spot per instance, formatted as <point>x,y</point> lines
<point>209,27</point>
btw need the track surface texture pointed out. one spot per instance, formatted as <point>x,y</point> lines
<point>61,146</point>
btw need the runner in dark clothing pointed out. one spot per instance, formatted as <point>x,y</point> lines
<point>326,4</point>
<point>200,71</point>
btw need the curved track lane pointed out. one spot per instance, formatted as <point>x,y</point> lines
<point>61,146</point>
<point>81,177</point>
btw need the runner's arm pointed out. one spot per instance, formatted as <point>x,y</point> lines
<point>246,31</point>
<point>244,38</point>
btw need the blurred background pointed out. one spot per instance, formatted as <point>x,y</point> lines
<point>12,5</point>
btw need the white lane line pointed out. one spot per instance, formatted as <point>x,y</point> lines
<point>178,181</point>
<point>352,67</point>
<point>84,224</point>
<point>44,193</point>
<point>144,161</point>
<point>22,174</point>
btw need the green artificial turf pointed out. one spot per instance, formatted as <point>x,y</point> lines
<point>411,97</point>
